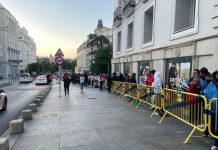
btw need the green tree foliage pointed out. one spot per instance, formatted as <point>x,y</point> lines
<point>102,60</point>
<point>69,64</point>
<point>101,52</point>
<point>45,66</point>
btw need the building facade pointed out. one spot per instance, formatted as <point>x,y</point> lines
<point>9,44</point>
<point>27,49</point>
<point>168,36</point>
<point>85,53</point>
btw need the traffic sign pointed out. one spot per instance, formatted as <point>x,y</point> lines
<point>59,53</point>
<point>59,60</point>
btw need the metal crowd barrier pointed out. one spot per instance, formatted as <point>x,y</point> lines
<point>113,86</point>
<point>192,109</point>
<point>105,84</point>
<point>188,108</point>
<point>119,88</point>
<point>146,95</point>
<point>131,91</point>
<point>213,118</point>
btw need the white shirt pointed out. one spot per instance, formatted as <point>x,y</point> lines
<point>81,79</point>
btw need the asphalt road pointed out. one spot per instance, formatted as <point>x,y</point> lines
<point>19,97</point>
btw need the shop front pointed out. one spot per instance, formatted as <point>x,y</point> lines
<point>178,72</point>
<point>143,69</point>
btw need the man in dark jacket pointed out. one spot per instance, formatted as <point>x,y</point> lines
<point>67,82</point>
<point>109,83</point>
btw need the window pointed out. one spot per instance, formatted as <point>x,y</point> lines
<point>130,35</point>
<point>116,67</point>
<point>128,68</point>
<point>148,25</point>
<point>184,17</point>
<point>119,41</point>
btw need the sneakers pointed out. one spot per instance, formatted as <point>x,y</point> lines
<point>156,114</point>
<point>201,126</point>
<point>152,108</point>
<point>214,147</point>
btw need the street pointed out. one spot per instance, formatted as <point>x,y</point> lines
<point>19,96</point>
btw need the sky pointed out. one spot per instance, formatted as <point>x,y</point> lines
<point>61,24</point>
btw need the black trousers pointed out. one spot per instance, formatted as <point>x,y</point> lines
<point>66,90</point>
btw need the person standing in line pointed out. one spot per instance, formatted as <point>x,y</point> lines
<point>157,88</point>
<point>67,81</point>
<point>150,78</point>
<point>101,80</point>
<point>92,79</point>
<point>210,92</point>
<point>121,78</point>
<point>126,77</point>
<point>109,83</point>
<point>133,78</point>
<point>82,80</point>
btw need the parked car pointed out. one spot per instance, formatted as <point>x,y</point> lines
<point>25,78</point>
<point>3,100</point>
<point>41,80</point>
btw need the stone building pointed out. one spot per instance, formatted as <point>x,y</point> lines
<point>165,35</point>
<point>9,44</point>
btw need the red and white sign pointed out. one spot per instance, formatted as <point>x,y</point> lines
<point>59,60</point>
<point>59,53</point>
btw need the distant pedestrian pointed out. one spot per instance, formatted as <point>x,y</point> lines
<point>67,82</point>
<point>82,80</point>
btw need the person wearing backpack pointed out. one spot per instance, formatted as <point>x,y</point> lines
<point>210,92</point>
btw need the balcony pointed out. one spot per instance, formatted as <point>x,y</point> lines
<point>118,16</point>
<point>129,6</point>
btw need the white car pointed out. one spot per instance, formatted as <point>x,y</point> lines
<point>41,80</point>
<point>25,78</point>
<point>3,100</point>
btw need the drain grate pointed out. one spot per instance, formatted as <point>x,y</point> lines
<point>47,116</point>
<point>92,98</point>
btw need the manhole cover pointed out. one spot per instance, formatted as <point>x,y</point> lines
<point>48,115</point>
<point>92,98</point>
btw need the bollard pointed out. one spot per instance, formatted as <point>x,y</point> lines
<point>4,144</point>
<point>33,107</point>
<point>37,102</point>
<point>16,126</point>
<point>27,114</point>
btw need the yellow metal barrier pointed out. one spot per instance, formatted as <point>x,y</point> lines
<point>186,107</point>
<point>146,95</point>
<point>113,86</point>
<point>213,118</point>
<point>119,88</point>
<point>131,91</point>
<point>105,84</point>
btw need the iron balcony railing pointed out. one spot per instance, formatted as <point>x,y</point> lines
<point>118,14</point>
<point>129,4</point>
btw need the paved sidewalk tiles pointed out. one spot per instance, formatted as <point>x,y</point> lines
<point>96,120</point>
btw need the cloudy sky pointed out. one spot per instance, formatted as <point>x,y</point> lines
<point>61,24</point>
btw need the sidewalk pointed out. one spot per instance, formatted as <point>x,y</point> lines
<point>99,121</point>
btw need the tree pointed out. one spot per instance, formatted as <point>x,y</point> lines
<point>69,64</point>
<point>101,53</point>
<point>102,60</point>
